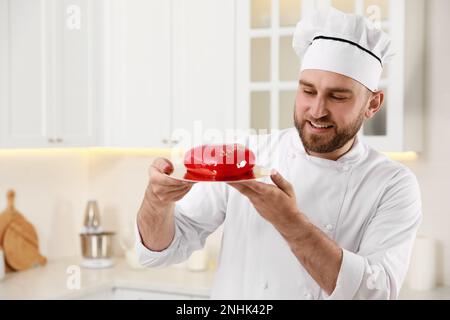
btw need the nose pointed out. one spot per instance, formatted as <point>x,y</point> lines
<point>318,108</point>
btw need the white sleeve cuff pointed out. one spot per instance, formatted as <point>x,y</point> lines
<point>350,277</point>
<point>146,256</point>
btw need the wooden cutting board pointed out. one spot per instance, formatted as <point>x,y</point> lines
<point>18,239</point>
<point>21,246</point>
<point>7,216</point>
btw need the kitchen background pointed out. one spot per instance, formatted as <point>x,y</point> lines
<point>90,92</point>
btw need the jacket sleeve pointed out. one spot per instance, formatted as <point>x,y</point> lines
<point>378,269</point>
<point>196,216</point>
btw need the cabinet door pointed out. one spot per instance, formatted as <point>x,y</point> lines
<point>139,85</point>
<point>267,65</point>
<point>77,70</point>
<point>25,106</point>
<point>48,92</point>
<point>204,71</point>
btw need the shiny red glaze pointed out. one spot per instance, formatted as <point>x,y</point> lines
<point>219,161</point>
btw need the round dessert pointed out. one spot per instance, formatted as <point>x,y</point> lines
<point>219,161</point>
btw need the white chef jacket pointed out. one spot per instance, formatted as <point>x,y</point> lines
<point>369,205</point>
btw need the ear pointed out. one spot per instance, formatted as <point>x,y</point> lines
<point>375,102</point>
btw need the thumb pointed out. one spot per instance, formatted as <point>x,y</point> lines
<point>163,165</point>
<point>282,183</point>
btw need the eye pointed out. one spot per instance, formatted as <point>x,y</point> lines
<point>338,98</point>
<point>308,92</point>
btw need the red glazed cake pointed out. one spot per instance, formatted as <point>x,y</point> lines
<point>219,161</point>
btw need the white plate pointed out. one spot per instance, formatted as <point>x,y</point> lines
<point>180,173</point>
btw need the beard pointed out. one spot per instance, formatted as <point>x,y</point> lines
<point>336,138</point>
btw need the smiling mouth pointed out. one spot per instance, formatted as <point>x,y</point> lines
<point>320,126</point>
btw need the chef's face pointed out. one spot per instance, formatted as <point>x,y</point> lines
<point>330,110</point>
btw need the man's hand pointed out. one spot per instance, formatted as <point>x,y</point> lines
<point>320,255</point>
<point>155,217</point>
<point>162,191</point>
<point>275,203</point>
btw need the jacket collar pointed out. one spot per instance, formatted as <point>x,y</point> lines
<point>354,156</point>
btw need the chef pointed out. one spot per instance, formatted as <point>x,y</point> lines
<point>335,220</point>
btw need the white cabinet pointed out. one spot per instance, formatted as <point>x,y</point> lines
<point>117,73</point>
<point>172,68</point>
<point>26,113</point>
<point>78,65</point>
<point>138,94</point>
<point>48,84</point>
<point>204,71</point>
<point>268,68</point>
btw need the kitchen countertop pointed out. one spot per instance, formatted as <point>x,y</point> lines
<point>441,293</point>
<point>53,282</point>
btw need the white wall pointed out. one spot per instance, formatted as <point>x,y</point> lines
<point>51,188</point>
<point>433,167</point>
<point>118,183</point>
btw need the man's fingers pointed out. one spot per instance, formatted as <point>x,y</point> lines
<point>160,189</point>
<point>163,165</point>
<point>161,178</point>
<point>175,194</point>
<point>171,195</point>
<point>246,191</point>
<point>282,183</point>
<point>182,194</point>
<point>258,187</point>
<point>164,180</point>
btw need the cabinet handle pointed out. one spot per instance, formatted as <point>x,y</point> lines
<point>171,142</point>
<point>57,140</point>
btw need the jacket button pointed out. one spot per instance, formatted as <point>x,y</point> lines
<point>308,296</point>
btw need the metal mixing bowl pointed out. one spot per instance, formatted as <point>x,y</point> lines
<point>97,245</point>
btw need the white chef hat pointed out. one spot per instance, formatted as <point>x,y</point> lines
<point>347,44</point>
